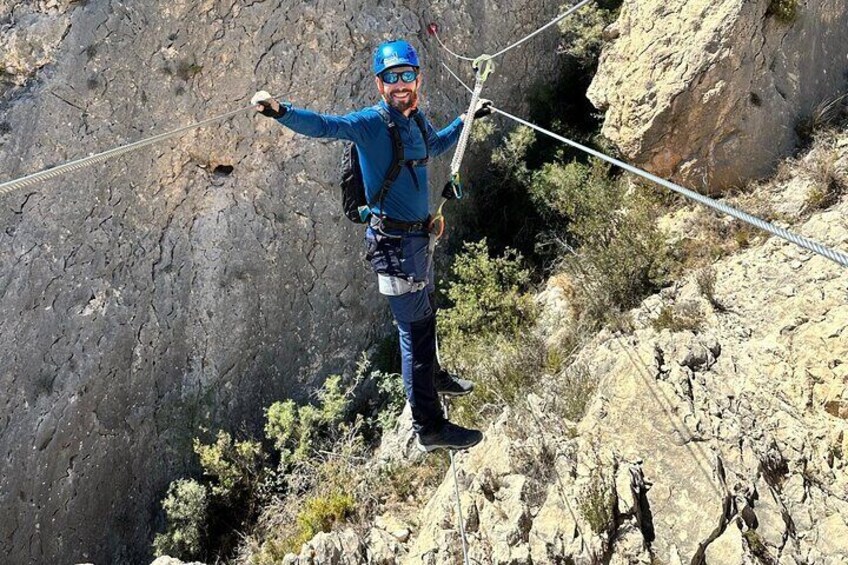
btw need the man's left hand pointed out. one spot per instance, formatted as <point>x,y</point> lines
<point>483,109</point>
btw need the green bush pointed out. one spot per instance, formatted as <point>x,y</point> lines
<point>582,33</point>
<point>596,502</point>
<point>235,466</point>
<point>510,158</point>
<point>486,295</point>
<point>785,11</point>
<point>390,387</point>
<point>687,317</point>
<point>573,391</point>
<point>294,429</point>
<point>503,368</point>
<point>185,508</point>
<point>483,334</point>
<point>280,422</point>
<point>318,514</point>
<point>614,250</point>
<point>333,401</point>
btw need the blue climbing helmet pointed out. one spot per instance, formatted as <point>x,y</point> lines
<point>393,54</point>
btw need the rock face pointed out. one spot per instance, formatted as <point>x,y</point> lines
<point>721,446</point>
<point>724,445</point>
<point>195,282</point>
<point>690,86</point>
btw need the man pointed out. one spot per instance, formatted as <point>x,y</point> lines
<point>397,238</point>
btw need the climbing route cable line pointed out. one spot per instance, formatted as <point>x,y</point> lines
<point>799,240</point>
<point>434,30</point>
<point>30,180</point>
<point>829,253</point>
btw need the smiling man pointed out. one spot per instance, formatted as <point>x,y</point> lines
<point>394,141</point>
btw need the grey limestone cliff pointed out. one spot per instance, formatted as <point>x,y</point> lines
<point>195,282</point>
<point>714,94</point>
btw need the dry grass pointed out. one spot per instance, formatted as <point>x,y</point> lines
<point>826,168</point>
<point>679,318</point>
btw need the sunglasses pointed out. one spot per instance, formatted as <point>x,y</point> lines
<point>391,77</point>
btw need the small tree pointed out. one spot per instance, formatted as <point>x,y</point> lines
<point>294,429</point>
<point>185,507</point>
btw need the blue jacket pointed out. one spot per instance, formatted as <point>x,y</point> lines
<point>407,200</point>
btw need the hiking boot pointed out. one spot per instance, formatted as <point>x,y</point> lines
<point>450,436</point>
<point>451,385</point>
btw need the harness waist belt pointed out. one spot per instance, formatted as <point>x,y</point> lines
<point>390,224</point>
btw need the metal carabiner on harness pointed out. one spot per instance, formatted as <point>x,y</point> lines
<point>488,65</point>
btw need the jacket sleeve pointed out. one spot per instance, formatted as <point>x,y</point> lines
<point>443,140</point>
<point>352,127</point>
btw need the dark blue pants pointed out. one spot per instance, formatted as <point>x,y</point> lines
<point>407,256</point>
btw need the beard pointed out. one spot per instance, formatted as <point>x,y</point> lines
<point>403,104</point>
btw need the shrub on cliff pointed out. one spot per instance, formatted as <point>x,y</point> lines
<point>611,244</point>
<point>295,429</point>
<point>486,295</point>
<point>185,506</point>
<point>582,32</point>
<point>785,11</point>
<point>483,333</point>
<point>235,467</point>
<point>204,520</point>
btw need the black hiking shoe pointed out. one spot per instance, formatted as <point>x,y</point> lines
<point>451,385</point>
<point>450,436</point>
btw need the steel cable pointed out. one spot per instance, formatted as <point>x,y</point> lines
<point>527,37</point>
<point>799,240</point>
<point>59,170</point>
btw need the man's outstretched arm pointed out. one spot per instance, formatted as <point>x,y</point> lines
<point>352,127</point>
<point>444,139</point>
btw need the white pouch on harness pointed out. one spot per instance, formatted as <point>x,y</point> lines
<point>396,286</point>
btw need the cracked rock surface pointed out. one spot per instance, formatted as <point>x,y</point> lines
<point>722,446</point>
<point>689,86</point>
<point>194,282</point>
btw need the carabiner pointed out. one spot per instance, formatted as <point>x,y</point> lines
<point>488,65</point>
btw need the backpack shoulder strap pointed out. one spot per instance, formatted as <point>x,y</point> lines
<point>422,125</point>
<point>398,156</point>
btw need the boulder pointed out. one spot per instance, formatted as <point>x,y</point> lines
<point>712,93</point>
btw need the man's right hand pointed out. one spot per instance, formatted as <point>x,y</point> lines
<point>266,105</point>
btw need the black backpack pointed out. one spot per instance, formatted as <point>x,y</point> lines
<point>355,205</point>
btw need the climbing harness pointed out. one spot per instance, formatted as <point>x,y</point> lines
<point>53,172</point>
<point>397,286</point>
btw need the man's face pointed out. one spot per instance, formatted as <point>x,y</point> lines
<point>401,95</point>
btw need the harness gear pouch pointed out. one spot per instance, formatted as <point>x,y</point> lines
<point>397,286</point>
<point>402,262</point>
